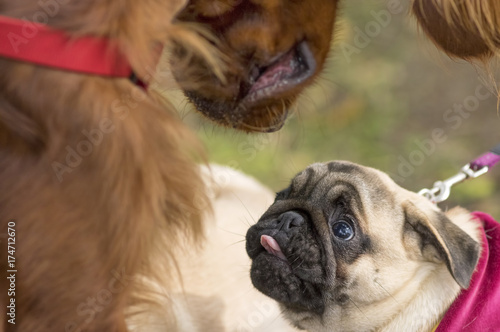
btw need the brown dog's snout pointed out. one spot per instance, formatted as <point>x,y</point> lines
<point>262,36</point>
<point>273,49</point>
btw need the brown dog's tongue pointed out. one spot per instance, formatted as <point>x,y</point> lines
<point>283,68</point>
<point>272,246</point>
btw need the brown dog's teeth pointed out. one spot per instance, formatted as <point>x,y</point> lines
<point>286,72</point>
<point>272,246</point>
<point>254,75</point>
<point>272,75</point>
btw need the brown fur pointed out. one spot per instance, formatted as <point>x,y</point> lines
<point>108,214</point>
<point>252,34</point>
<point>84,223</point>
<point>466,29</point>
<point>139,192</point>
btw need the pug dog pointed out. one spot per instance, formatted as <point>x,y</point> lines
<point>344,248</point>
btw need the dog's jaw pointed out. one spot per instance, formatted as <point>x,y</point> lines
<point>286,266</point>
<point>273,52</point>
<point>286,72</point>
<point>267,87</point>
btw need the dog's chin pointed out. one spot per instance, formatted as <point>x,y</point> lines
<point>271,51</point>
<point>264,116</point>
<point>275,278</point>
<point>286,267</point>
<point>259,101</point>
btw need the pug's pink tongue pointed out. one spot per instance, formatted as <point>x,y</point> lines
<point>272,246</point>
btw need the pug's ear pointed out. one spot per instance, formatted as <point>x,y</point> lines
<point>452,245</point>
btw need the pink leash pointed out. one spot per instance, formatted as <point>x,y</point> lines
<point>479,166</point>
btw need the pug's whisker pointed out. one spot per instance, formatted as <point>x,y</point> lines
<point>385,290</point>
<point>246,209</point>
<point>246,222</point>
<point>304,269</point>
<point>298,266</point>
<point>359,309</point>
<point>253,250</point>
<point>234,243</point>
<point>298,257</point>
<point>230,232</point>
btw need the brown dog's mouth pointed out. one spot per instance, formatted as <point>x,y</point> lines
<point>270,52</point>
<point>258,101</point>
<point>288,71</point>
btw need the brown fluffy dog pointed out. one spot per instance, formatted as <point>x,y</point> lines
<point>87,226</point>
<point>466,29</point>
<point>84,234</point>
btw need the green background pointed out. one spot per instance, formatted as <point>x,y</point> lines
<point>378,107</point>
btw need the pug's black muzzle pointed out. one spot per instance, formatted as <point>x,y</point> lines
<point>287,261</point>
<point>281,229</point>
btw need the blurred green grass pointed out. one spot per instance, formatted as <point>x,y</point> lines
<point>377,108</point>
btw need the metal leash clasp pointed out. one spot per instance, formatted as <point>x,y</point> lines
<point>441,189</point>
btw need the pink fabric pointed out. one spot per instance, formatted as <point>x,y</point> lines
<point>488,159</point>
<point>477,309</point>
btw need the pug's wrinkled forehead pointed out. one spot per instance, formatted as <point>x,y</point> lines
<point>304,243</point>
<point>364,189</point>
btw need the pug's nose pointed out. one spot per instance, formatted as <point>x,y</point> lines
<point>289,220</point>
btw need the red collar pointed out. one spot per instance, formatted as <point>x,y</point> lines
<point>39,44</point>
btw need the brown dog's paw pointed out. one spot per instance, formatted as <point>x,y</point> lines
<point>274,49</point>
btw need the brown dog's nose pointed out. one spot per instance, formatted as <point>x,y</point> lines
<point>289,220</point>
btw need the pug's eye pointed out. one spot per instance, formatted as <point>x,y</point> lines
<point>343,230</point>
